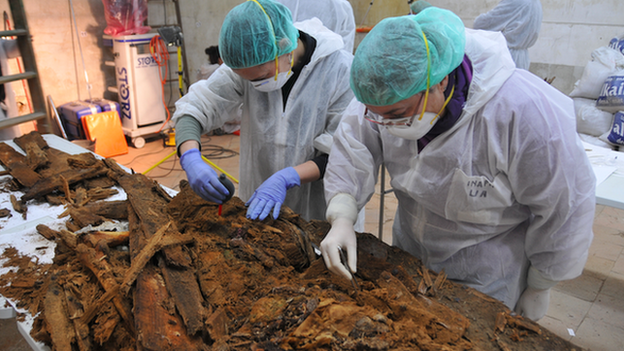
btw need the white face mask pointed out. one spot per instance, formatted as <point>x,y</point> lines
<point>420,126</point>
<point>271,84</point>
<point>418,129</point>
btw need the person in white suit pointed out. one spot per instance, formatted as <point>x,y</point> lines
<point>337,15</point>
<point>492,180</point>
<point>520,22</point>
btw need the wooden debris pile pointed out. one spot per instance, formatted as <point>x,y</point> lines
<point>184,278</point>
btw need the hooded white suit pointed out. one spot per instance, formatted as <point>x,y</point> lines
<point>274,137</point>
<point>520,22</point>
<point>508,186</point>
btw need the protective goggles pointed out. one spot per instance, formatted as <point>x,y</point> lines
<point>404,121</point>
<point>397,121</point>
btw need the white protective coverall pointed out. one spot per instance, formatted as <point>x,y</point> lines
<point>274,137</point>
<point>520,21</point>
<point>337,15</point>
<point>507,186</point>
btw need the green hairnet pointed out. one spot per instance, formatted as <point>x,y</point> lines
<point>390,64</point>
<point>256,31</point>
<point>418,6</point>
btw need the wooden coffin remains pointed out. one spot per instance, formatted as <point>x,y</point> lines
<point>185,278</point>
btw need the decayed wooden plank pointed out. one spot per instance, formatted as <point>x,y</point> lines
<point>57,321</point>
<point>83,217</point>
<point>183,287</point>
<point>140,260</point>
<point>54,182</point>
<point>109,209</point>
<point>33,138</point>
<point>111,239</point>
<point>18,166</point>
<point>158,326</point>
<point>448,324</point>
<point>35,156</point>
<point>151,209</point>
<point>75,310</point>
<point>154,244</point>
<point>47,232</point>
<point>95,261</point>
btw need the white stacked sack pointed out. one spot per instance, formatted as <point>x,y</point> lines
<point>598,96</point>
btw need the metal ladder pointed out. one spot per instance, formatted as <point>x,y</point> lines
<point>173,53</point>
<point>30,74</point>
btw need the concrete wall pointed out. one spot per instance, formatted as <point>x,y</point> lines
<point>571,30</point>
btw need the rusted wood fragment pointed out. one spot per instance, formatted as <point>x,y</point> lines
<point>502,345</point>
<point>111,239</point>
<point>18,206</point>
<point>140,260</point>
<point>93,309</point>
<point>97,263</point>
<point>84,160</point>
<point>518,321</point>
<point>80,197</point>
<point>47,232</point>
<point>183,287</point>
<point>66,191</point>
<point>250,251</point>
<point>109,209</point>
<point>501,322</point>
<point>57,322</point>
<point>33,138</point>
<point>439,281</point>
<point>217,324</point>
<point>35,156</point>
<point>71,226</point>
<point>5,212</point>
<point>427,277</point>
<point>83,217</point>
<point>114,170</point>
<point>17,166</point>
<point>70,239</point>
<point>151,209</point>
<point>99,182</point>
<point>99,193</point>
<point>445,325</point>
<point>54,182</point>
<point>158,325</point>
<point>75,311</point>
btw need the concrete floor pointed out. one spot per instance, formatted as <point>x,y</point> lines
<point>588,311</point>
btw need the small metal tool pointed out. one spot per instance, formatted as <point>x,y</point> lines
<point>343,259</point>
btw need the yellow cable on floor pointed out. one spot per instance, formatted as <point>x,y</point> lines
<point>159,162</point>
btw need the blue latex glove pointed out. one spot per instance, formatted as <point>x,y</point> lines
<point>271,194</point>
<point>203,179</point>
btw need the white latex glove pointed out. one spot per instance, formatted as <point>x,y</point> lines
<point>342,213</point>
<point>533,303</point>
<point>341,236</point>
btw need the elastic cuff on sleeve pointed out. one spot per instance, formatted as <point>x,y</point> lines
<point>187,128</point>
<point>536,280</point>
<point>342,206</point>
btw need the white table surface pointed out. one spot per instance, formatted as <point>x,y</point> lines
<point>22,235</point>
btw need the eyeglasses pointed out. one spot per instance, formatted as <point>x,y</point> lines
<point>399,121</point>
